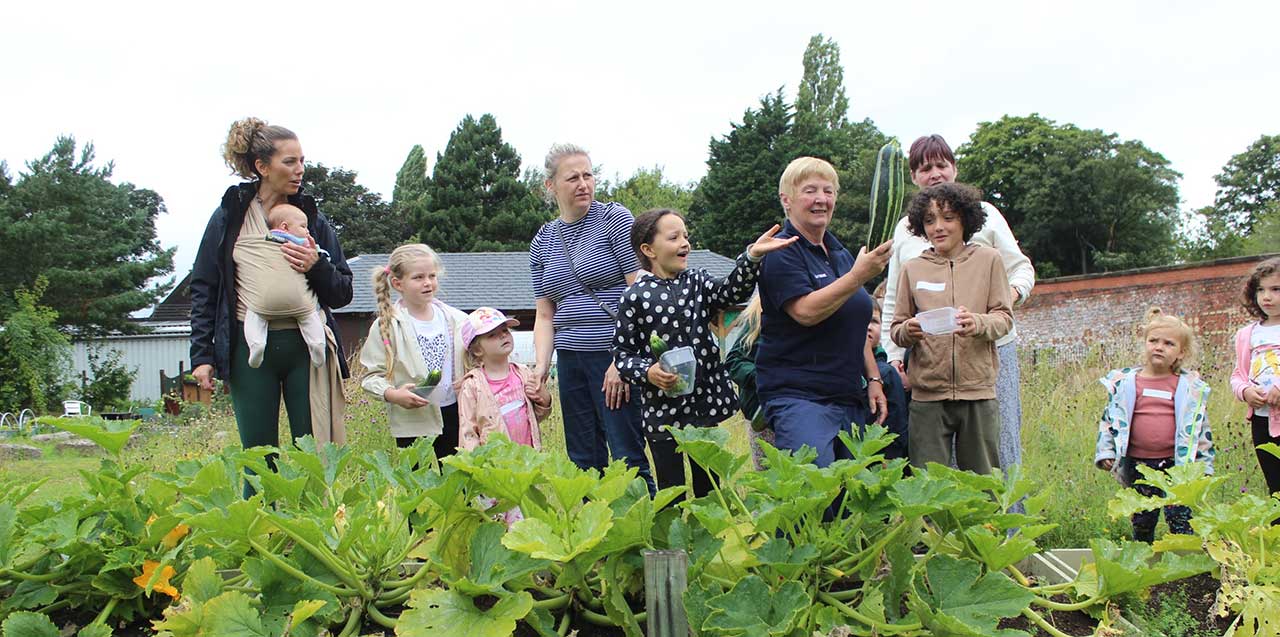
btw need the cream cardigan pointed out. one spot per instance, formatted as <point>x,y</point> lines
<point>406,368</point>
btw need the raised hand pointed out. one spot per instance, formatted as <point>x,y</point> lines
<point>768,243</point>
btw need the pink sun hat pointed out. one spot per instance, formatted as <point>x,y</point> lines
<point>482,321</point>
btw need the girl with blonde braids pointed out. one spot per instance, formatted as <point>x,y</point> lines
<point>411,338</point>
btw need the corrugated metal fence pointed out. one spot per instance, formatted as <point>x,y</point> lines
<point>144,355</point>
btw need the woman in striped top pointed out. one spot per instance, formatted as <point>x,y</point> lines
<point>580,264</point>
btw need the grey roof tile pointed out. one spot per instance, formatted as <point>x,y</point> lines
<point>476,279</point>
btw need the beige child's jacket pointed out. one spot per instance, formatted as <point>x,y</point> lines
<point>406,368</point>
<point>950,366</point>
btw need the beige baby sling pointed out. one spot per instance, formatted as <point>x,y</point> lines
<point>266,284</point>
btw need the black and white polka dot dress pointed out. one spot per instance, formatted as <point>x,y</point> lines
<point>679,311</point>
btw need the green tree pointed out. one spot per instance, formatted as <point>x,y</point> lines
<point>365,223</point>
<point>410,196</point>
<point>94,241</point>
<point>647,189</point>
<point>1248,184</point>
<point>1265,237</point>
<point>34,355</point>
<point>476,199</point>
<point>738,197</point>
<point>1248,188</point>
<point>1078,200</point>
<point>110,380</point>
<point>821,101</point>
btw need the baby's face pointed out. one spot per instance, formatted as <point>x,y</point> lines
<point>292,221</point>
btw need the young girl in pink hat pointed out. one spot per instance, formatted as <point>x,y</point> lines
<point>497,394</point>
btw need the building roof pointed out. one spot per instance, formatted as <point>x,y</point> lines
<point>476,279</point>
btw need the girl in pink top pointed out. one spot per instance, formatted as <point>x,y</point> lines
<point>1256,378</point>
<point>497,394</point>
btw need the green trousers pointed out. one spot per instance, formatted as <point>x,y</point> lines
<point>971,427</point>
<point>255,393</point>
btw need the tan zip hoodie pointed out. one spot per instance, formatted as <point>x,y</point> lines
<point>950,366</point>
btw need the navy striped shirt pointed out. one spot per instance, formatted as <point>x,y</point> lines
<point>600,243</point>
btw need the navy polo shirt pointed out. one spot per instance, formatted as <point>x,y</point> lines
<point>820,363</point>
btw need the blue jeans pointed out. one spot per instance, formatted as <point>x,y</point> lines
<point>592,430</point>
<point>798,422</point>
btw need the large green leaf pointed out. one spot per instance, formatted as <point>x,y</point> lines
<point>959,600</point>
<point>446,613</point>
<point>751,608</point>
<point>538,539</point>
<point>202,581</point>
<point>25,624</point>
<point>232,614</point>
<point>111,435</point>
<point>95,630</point>
<point>788,561</point>
<point>922,495</point>
<point>709,447</point>
<point>492,565</point>
<point>7,516</point>
<point>998,551</point>
<point>1127,567</point>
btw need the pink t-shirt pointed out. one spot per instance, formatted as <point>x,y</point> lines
<point>511,402</point>
<point>1154,424</point>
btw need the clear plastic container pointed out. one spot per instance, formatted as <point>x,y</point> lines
<point>681,362</point>
<point>939,321</point>
<point>425,391</point>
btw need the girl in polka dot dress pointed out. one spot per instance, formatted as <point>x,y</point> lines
<point>676,304</point>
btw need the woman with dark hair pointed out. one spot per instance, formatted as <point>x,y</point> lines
<point>580,263</point>
<point>224,284</point>
<point>931,163</point>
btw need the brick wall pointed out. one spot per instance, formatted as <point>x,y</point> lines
<point>1071,315</point>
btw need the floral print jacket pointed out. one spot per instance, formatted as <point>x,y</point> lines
<point>1193,440</point>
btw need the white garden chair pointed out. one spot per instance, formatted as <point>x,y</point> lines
<point>76,409</point>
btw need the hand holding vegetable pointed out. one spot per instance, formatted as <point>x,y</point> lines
<point>661,378</point>
<point>768,243</point>
<point>404,397</point>
<point>872,262</point>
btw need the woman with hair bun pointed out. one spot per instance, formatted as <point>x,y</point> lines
<point>225,281</point>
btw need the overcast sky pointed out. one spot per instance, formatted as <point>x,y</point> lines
<point>155,85</point>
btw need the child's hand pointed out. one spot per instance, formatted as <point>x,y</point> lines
<point>1273,397</point>
<point>967,323</point>
<point>404,397</point>
<point>1107,463</point>
<point>767,243</point>
<point>1254,398</point>
<point>913,329</point>
<point>532,388</point>
<point>661,378</point>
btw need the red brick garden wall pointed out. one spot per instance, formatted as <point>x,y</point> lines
<point>1071,315</point>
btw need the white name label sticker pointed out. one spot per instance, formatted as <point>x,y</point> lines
<point>930,286</point>
<point>512,406</point>
<point>820,275</point>
<point>1157,393</point>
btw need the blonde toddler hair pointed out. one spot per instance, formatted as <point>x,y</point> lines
<point>1156,319</point>
<point>397,266</point>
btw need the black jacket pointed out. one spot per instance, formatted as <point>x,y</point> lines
<point>213,293</point>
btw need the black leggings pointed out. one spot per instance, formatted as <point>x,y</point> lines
<point>669,465</point>
<point>1270,464</point>
<point>446,444</point>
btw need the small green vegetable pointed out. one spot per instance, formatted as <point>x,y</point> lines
<point>656,344</point>
<point>434,377</point>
